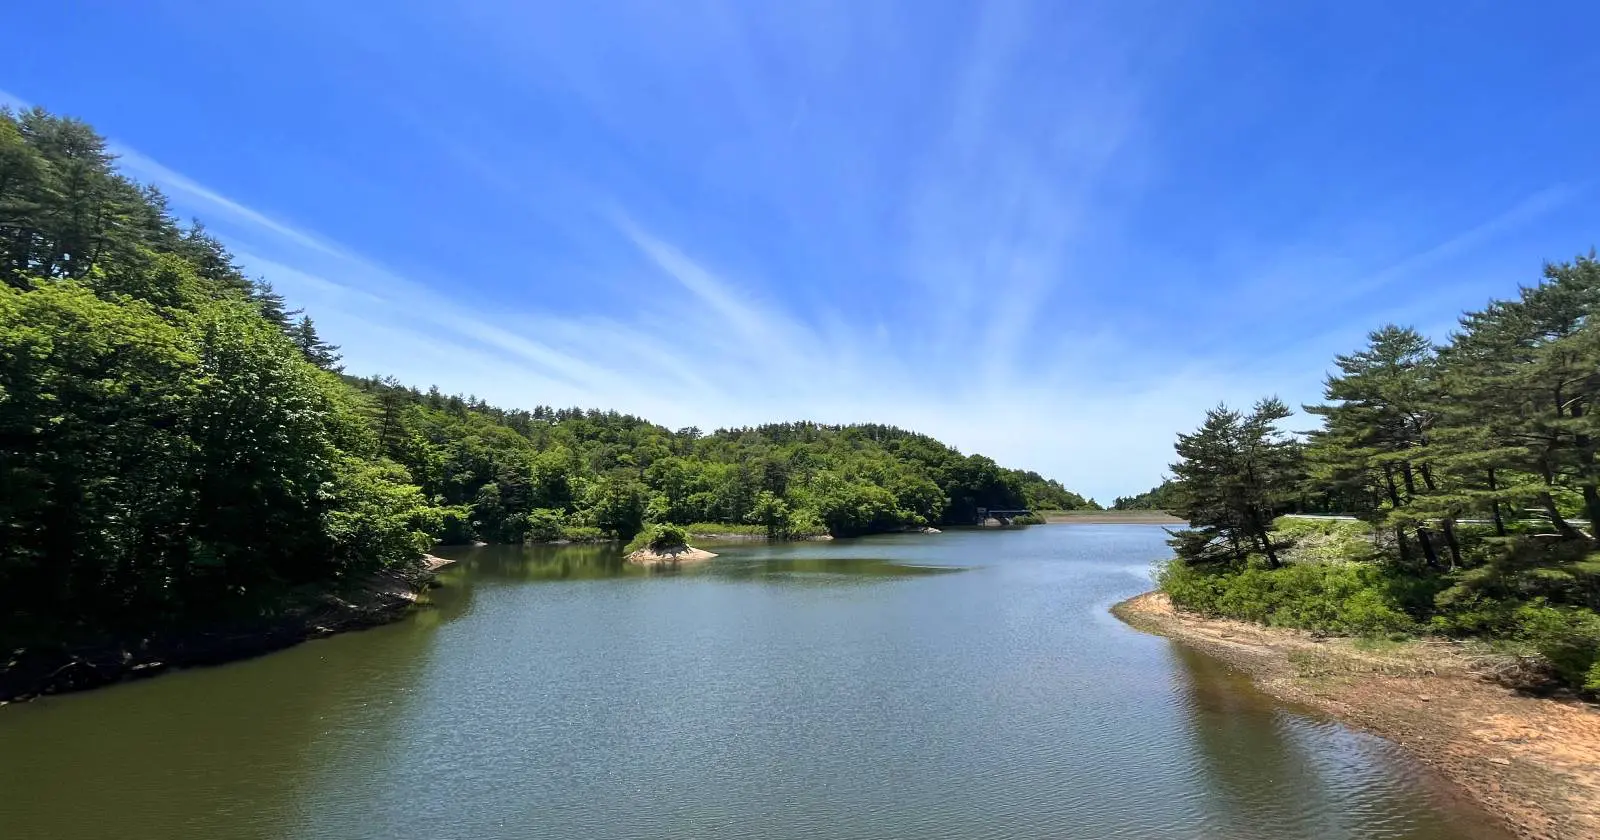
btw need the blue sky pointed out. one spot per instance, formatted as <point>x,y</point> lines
<point>1054,233</point>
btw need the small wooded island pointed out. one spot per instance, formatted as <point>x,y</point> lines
<point>664,547</point>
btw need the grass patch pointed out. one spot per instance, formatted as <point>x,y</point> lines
<point>1381,644</point>
<point>714,529</point>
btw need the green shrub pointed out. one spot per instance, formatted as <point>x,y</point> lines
<point>1463,612</point>
<point>1568,638</point>
<point>1352,598</point>
<point>805,522</point>
<point>658,537</point>
<point>583,533</point>
<point>455,525</point>
<point>544,525</point>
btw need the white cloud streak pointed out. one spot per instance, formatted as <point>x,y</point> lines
<point>1016,178</point>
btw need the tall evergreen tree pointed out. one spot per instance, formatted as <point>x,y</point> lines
<point>1376,436</point>
<point>318,352</point>
<point>1527,373</point>
<point>1236,472</point>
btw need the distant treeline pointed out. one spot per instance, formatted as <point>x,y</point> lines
<point>177,446</point>
<point>549,474</point>
<point>1471,467</point>
<point>1163,496</point>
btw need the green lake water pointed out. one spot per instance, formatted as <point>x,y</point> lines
<point>963,685</point>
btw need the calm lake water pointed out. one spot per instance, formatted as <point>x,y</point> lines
<point>965,685</point>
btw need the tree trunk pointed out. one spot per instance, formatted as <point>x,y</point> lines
<point>1394,499</point>
<point>1591,493</point>
<point>1411,481</point>
<point>1429,554</point>
<point>1591,507</point>
<point>1447,524</point>
<point>1451,543</point>
<point>1499,521</point>
<point>1264,539</point>
<point>1548,502</point>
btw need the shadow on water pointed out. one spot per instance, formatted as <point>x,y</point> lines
<point>514,563</point>
<point>758,561</point>
<point>822,569</point>
<point>231,751</point>
<point>1270,771</point>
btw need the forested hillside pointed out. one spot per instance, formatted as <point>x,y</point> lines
<point>1163,496</point>
<point>1470,468</point>
<point>176,445</point>
<point>549,474</point>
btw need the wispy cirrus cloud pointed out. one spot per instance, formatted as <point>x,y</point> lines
<point>1051,233</point>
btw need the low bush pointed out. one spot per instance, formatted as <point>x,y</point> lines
<point>1350,598</point>
<point>658,537</point>
<point>1569,638</point>
<point>583,533</point>
<point>545,525</point>
<point>455,525</point>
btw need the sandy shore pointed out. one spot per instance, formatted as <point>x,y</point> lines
<point>1533,762</point>
<point>1112,517</point>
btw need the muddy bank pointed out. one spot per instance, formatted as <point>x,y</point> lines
<point>380,599</point>
<point>1533,762</point>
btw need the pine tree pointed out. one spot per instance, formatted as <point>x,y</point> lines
<point>272,306</point>
<point>1235,473</point>
<point>1376,438</point>
<point>1527,375</point>
<point>318,352</point>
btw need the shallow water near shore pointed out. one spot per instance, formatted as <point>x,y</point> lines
<point>962,685</point>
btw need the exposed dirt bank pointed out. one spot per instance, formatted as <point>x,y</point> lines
<point>669,558</point>
<point>1533,762</point>
<point>384,597</point>
<point>1112,517</point>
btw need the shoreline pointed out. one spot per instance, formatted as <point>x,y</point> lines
<point>1112,517</point>
<point>1533,763</point>
<point>382,598</point>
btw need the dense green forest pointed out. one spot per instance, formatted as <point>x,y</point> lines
<point>549,474</point>
<point>176,445</point>
<point>1469,469</point>
<point>1163,496</point>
